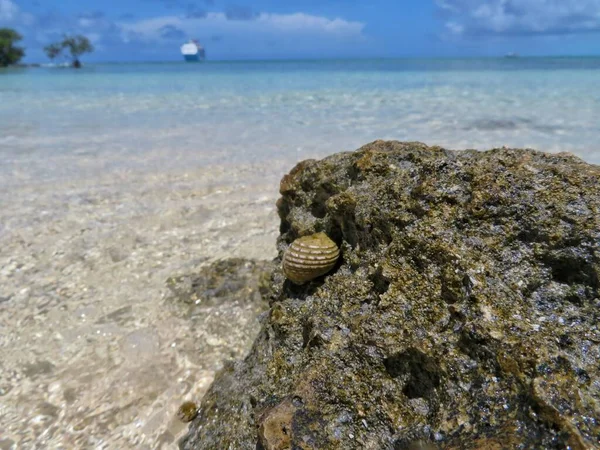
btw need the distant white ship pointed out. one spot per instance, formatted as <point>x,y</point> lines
<point>192,51</point>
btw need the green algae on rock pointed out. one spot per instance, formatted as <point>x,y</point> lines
<point>464,314</point>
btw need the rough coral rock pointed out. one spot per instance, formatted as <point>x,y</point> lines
<point>463,313</point>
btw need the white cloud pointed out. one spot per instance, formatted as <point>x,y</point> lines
<point>86,22</point>
<point>263,25</point>
<point>259,35</point>
<point>10,14</point>
<point>455,28</point>
<point>306,23</point>
<point>8,10</point>
<point>513,17</point>
<point>95,38</point>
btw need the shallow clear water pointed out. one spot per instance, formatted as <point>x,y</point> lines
<point>175,114</point>
<point>115,177</point>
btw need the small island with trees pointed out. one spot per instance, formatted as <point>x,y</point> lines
<point>72,47</point>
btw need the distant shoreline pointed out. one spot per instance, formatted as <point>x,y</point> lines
<point>365,59</point>
<point>23,65</point>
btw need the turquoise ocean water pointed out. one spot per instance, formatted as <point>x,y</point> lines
<point>114,178</point>
<point>62,122</point>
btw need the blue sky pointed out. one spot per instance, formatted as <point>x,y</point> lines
<point>153,30</point>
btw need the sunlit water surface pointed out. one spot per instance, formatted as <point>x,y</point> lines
<point>115,177</point>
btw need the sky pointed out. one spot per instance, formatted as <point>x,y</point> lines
<point>153,30</point>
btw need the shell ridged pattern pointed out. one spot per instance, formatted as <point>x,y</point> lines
<point>310,257</point>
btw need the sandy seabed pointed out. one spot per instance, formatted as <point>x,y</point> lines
<point>92,354</point>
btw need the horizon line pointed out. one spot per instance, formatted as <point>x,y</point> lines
<point>330,58</point>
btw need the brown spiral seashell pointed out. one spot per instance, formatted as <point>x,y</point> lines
<point>310,257</point>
